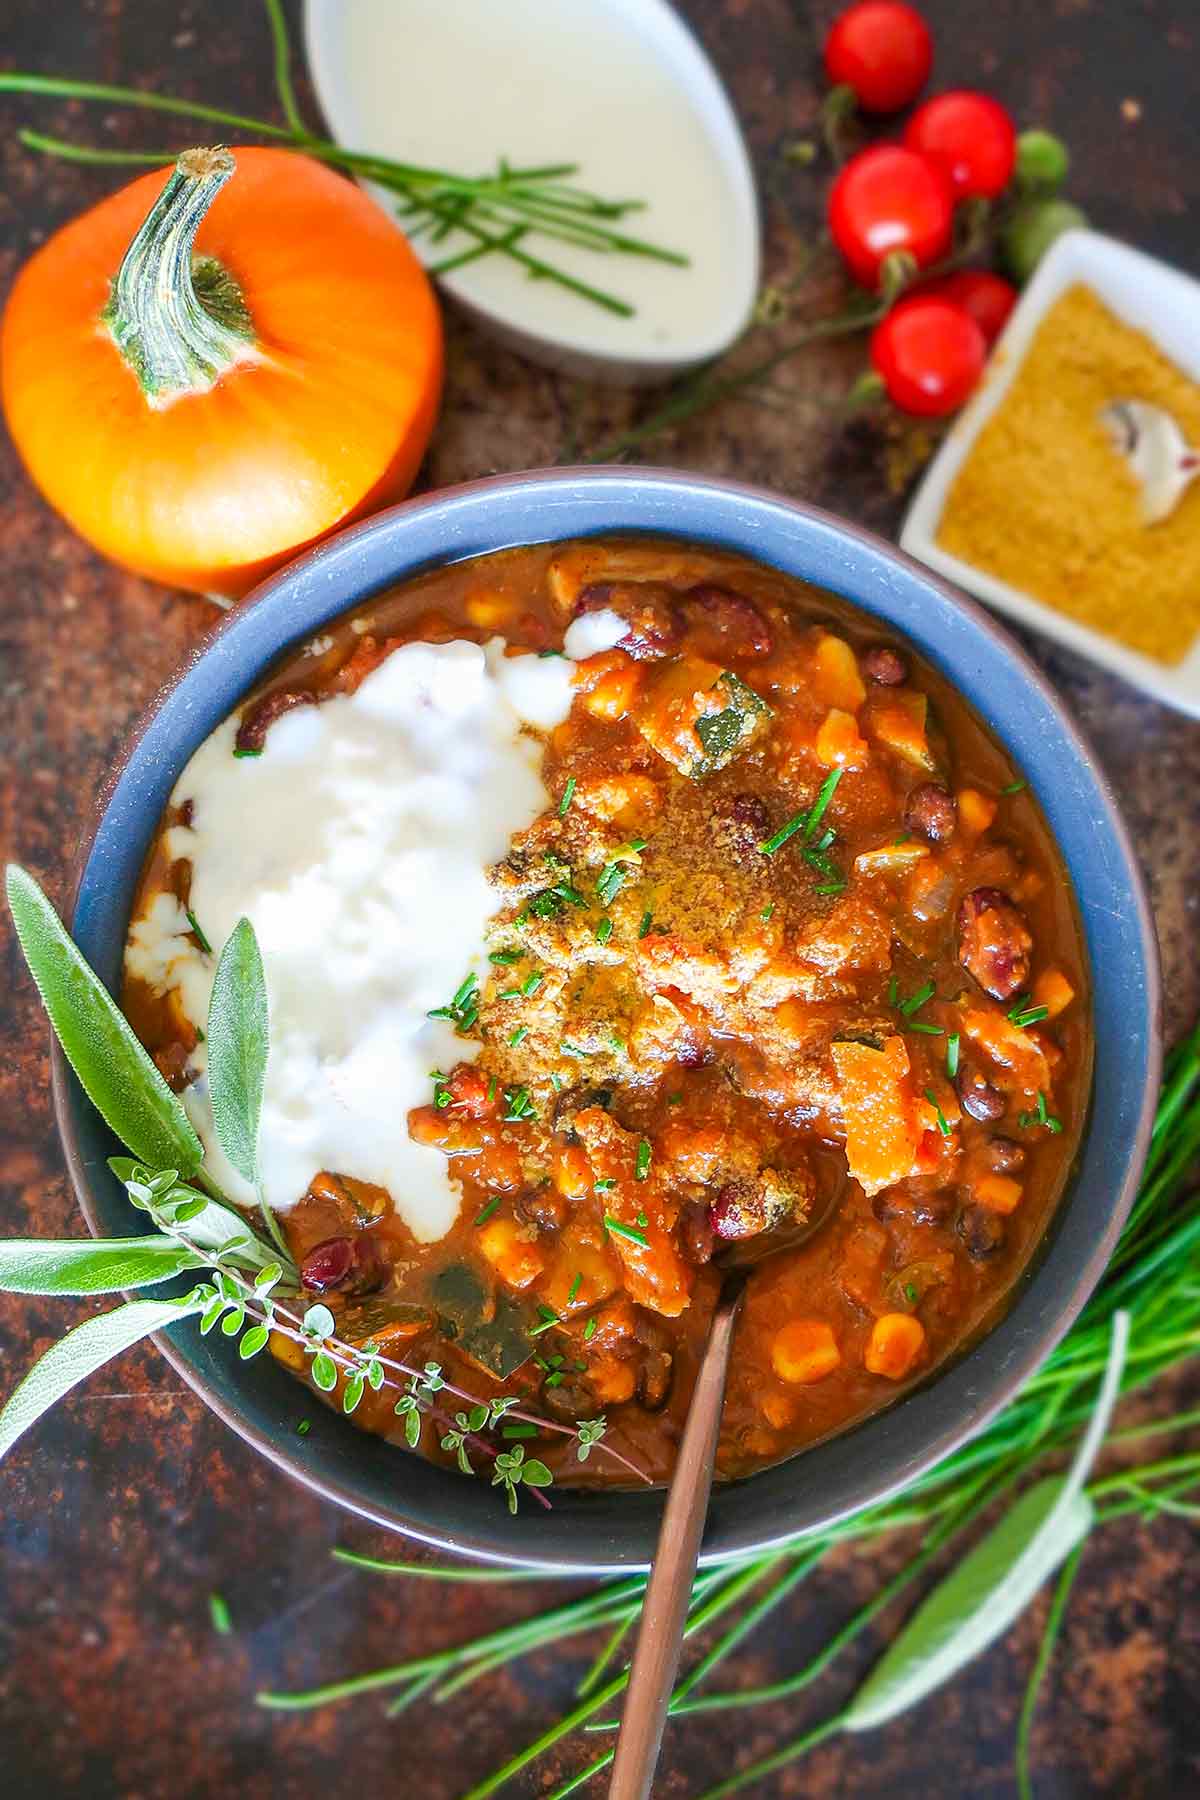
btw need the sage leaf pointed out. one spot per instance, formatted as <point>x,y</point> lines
<point>990,1588</point>
<point>116,1074</point>
<point>237,1048</point>
<point>218,1227</point>
<point>79,1355</point>
<point>84,1266</point>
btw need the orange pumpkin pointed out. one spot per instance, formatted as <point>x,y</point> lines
<point>204,381</point>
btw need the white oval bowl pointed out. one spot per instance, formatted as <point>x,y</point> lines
<point>578,344</point>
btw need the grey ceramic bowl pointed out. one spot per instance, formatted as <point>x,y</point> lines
<point>617,1530</point>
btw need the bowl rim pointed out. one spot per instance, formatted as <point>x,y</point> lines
<point>1026,1350</point>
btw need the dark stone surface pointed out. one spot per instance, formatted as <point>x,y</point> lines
<point>121,1512</point>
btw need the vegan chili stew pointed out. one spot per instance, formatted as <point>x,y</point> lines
<point>619,902</point>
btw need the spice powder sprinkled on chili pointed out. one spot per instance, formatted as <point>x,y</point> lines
<point>1046,502</point>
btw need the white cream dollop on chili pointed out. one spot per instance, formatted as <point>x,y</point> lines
<point>357,844</point>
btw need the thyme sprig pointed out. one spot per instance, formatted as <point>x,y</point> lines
<point>252,1289</point>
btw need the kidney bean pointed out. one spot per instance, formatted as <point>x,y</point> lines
<point>726,623</point>
<point>345,1265</point>
<point>884,665</point>
<point>978,1096</point>
<point>981,1230</point>
<point>931,812</point>
<point>739,1210</point>
<point>994,942</point>
<point>1005,1156</point>
<point>695,1231</point>
<point>649,607</point>
<point>258,719</point>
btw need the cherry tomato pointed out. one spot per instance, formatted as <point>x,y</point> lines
<point>930,355</point>
<point>972,138</point>
<point>988,298</point>
<point>882,49</point>
<point>889,199</point>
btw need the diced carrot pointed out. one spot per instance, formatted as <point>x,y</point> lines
<point>999,1193</point>
<point>1053,991</point>
<point>839,745</point>
<point>836,680</point>
<point>1009,1045</point>
<point>900,724</point>
<point>515,1261</point>
<point>890,859</point>
<point>976,811</point>
<point>804,1350</point>
<point>896,1341</point>
<point>882,1122</point>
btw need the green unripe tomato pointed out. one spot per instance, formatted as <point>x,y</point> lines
<point>1042,161</point>
<point>1031,231</point>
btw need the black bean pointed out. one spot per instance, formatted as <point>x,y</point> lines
<point>1005,1156</point>
<point>981,1230</point>
<point>983,1101</point>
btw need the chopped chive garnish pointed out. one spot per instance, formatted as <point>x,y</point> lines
<point>910,1293</point>
<point>197,933</point>
<point>568,796</point>
<point>929,1030</point>
<point>916,1001</point>
<point>615,1042</point>
<point>241,754</point>
<point>520,1107</point>
<point>604,1183</point>
<point>555,1380</point>
<point>518,1036</point>
<point>555,1083</point>
<point>575,1286</point>
<point>485,1212</point>
<point>943,1124</point>
<point>674,1099</point>
<point>518,1431</point>
<point>589,1330</point>
<point>491,1094</point>
<point>304,1427</point>
<point>218,1610</point>
<point>893,992</point>
<point>1022,1014</point>
<point>569,1049</point>
<point>767,911</point>
<point>463,1010</point>
<point>1040,1117</point>
<point>641,1219</point>
<point>830,887</point>
<point>772,844</point>
<point>548,1318</point>
<point>647,922</point>
<point>509,994</point>
<point>828,788</point>
<point>545,653</point>
<point>505,957</point>
<point>904,838</point>
<point>531,984</point>
<point>604,930</point>
<point>626,1231</point>
<point>952,1043</point>
<point>1014,787</point>
<point>641,1167</point>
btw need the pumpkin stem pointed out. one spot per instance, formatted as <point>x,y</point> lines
<point>180,322</point>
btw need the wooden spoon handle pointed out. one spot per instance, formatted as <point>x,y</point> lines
<point>669,1590</point>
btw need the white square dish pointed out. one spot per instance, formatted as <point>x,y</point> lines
<point>1146,294</point>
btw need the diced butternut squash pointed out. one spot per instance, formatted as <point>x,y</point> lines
<point>896,1341</point>
<point>999,1193</point>
<point>900,724</point>
<point>883,1123</point>
<point>836,680</point>
<point>1010,1046</point>
<point>608,685</point>
<point>1053,991</point>
<point>839,745</point>
<point>804,1350</point>
<point>516,1262</point>
<point>572,1171</point>
<point>491,610</point>
<point>976,811</point>
<point>890,859</point>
